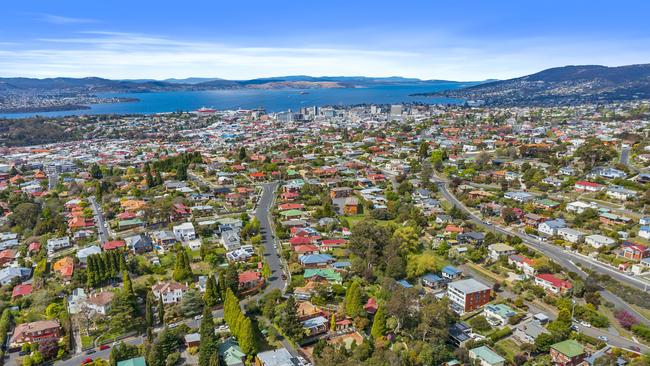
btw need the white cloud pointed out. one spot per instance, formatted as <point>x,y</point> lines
<point>62,20</point>
<point>129,55</point>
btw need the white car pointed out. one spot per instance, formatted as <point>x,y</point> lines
<point>603,338</point>
<point>585,324</point>
<point>173,325</point>
<point>198,317</point>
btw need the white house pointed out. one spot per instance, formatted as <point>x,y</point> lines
<point>579,206</point>
<point>620,193</point>
<point>84,253</point>
<point>521,197</point>
<point>57,244</point>
<point>551,227</point>
<point>184,232</point>
<point>230,240</point>
<point>644,232</point>
<point>570,235</point>
<point>500,249</point>
<point>171,292</point>
<point>598,241</point>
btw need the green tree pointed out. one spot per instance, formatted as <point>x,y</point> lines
<point>379,324</point>
<point>289,321</point>
<point>247,338</point>
<point>211,295</point>
<point>161,310</point>
<point>128,285</point>
<point>353,304</point>
<point>266,271</point>
<point>148,310</point>
<point>123,352</point>
<point>208,340</point>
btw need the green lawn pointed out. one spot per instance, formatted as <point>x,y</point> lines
<point>508,349</point>
<point>86,341</point>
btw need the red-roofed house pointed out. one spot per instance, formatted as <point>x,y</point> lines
<point>34,247</point>
<point>333,243</point>
<point>634,251</point>
<point>450,229</point>
<point>65,267</point>
<point>7,256</point>
<point>114,244</point>
<point>584,186</point>
<point>553,284</point>
<point>250,281</point>
<point>21,290</point>
<point>371,306</point>
<point>305,249</point>
<point>300,240</point>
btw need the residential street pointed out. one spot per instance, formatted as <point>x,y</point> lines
<point>271,255</point>
<point>566,259</point>
<point>100,221</point>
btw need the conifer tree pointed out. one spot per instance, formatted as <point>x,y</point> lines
<point>208,341</point>
<point>353,305</point>
<point>128,285</point>
<point>379,323</point>
<point>161,310</point>
<point>246,338</point>
<point>148,310</point>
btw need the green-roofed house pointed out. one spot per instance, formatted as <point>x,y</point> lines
<point>327,273</point>
<point>129,224</point>
<point>230,353</point>
<point>292,172</point>
<point>567,353</point>
<point>486,356</point>
<point>138,361</point>
<point>547,204</point>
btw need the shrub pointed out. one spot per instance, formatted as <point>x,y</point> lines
<point>500,334</point>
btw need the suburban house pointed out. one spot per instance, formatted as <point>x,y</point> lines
<point>498,314</point>
<point>277,357</point>
<point>432,281</point>
<point>45,333</point>
<point>598,241</point>
<point>171,292</point>
<point>57,244</point>
<point>316,326</point>
<point>315,260</point>
<point>484,356</point>
<point>184,232</point>
<point>551,227</point>
<point>584,186</point>
<point>467,295</point>
<point>451,273</point>
<point>570,235</point>
<point>620,193</point>
<point>84,253</point>
<point>524,264</point>
<point>567,353</point>
<point>529,331</point>
<point>553,284</point>
<point>500,249</point>
<point>634,251</point>
<point>230,353</point>
<point>100,302</point>
<point>231,240</point>
<point>250,280</point>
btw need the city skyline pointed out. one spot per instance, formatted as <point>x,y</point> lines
<point>462,41</point>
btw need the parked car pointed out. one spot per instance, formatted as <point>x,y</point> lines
<point>198,317</point>
<point>91,351</point>
<point>585,324</point>
<point>104,347</point>
<point>603,338</point>
<point>635,348</point>
<point>87,360</point>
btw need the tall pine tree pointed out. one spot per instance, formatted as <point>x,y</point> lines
<point>208,340</point>
<point>379,323</point>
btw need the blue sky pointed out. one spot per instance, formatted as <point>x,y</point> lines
<point>453,40</point>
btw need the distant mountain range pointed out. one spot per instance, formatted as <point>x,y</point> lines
<point>568,85</point>
<point>64,85</point>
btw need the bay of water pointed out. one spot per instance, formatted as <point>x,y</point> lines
<point>271,100</point>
